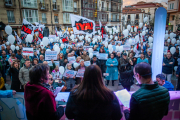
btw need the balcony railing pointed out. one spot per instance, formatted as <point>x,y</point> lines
<point>11,19</point>
<point>103,9</point>
<point>44,20</point>
<point>43,7</point>
<point>10,3</point>
<point>115,0</point>
<point>56,20</point>
<point>29,4</point>
<point>108,9</point>
<point>76,10</point>
<point>67,9</point>
<point>55,7</point>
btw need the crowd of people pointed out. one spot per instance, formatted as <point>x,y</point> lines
<point>30,74</point>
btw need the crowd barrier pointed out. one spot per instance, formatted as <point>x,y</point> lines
<point>14,108</point>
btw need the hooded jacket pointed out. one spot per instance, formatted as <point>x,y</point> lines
<point>169,86</point>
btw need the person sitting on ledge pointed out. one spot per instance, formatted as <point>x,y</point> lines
<point>160,78</point>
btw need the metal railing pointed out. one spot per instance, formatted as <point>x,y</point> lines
<point>67,9</point>
<point>29,4</point>
<point>9,3</point>
<point>55,7</point>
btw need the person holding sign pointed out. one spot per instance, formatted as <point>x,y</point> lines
<point>92,96</point>
<point>69,82</point>
<point>56,74</point>
<point>112,69</point>
<point>82,67</point>
<point>85,57</point>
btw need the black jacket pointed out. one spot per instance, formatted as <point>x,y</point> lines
<point>92,111</point>
<point>15,79</point>
<point>97,62</point>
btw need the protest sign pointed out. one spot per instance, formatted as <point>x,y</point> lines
<point>52,37</point>
<point>37,52</point>
<point>103,56</point>
<point>55,62</point>
<point>86,48</point>
<point>87,63</point>
<point>79,44</point>
<point>117,42</point>
<point>51,55</point>
<point>166,49</point>
<point>69,73</point>
<point>96,53</point>
<point>72,58</point>
<point>80,73</point>
<point>126,47</point>
<point>28,51</point>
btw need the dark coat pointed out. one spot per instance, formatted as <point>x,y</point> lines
<point>150,102</point>
<point>15,79</point>
<point>78,80</point>
<point>93,110</point>
<point>168,68</point>
<point>97,62</point>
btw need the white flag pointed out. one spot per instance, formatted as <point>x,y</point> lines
<point>17,37</point>
<point>82,25</point>
<point>100,24</point>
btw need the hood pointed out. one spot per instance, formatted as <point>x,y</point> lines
<point>33,91</point>
<point>168,85</point>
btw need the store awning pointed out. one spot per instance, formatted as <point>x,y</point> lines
<point>2,26</point>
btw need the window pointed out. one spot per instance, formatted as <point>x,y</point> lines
<point>128,16</point>
<point>30,15</point>
<point>42,1</point>
<point>68,5</point>
<point>172,5</point>
<point>29,3</point>
<point>44,20</point>
<point>8,2</point>
<point>54,1</point>
<point>102,4</point>
<point>137,16</point>
<point>75,4</point>
<point>10,15</point>
<point>173,17</point>
<point>56,19</point>
<point>66,18</point>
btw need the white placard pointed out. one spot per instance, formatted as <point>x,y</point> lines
<point>103,56</point>
<point>87,63</point>
<point>69,73</point>
<point>126,47</point>
<point>71,58</point>
<point>55,62</point>
<point>28,51</point>
<point>51,55</point>
<point>80,73</point>
<point>166,49</point>
<point>86,48</point>
<point>96,53</point>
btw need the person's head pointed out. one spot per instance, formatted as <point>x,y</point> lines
<point>61,55</point>
<point>177,50</point>
<point>35,61</point>
<point>84,52</point>
<point>134,59</point>
<point>69,66</point>
<point>15,64</point>
<point>75,48</point>
<point>10,51</point>
<point>112,56</point>
<point>82,63</point>
<point>67,50</point>
<point>35,53</point>
<point>24,56</point>
<point>142,55</point>
<point>13,55</point>
<point>92,87</point>
<point>7,47</point>
<point>41,57</point>
<point>94,58</point>
<point>56,68</point>
<point>65,60</point>
<point>27,63</point>
<point>3,53</point>
<point>2,47</point>
<point>168,55</point>
<point>45,62</point>
<point>149,52</point>
<point>19,52</point>
<point>143,72</point>
<point>125,56</point>
<point>69,55</point>
<point>39,74</point>
<point>118,54</point>
<point>78,59</point>
<point>160,78</point>
<point>34,47</point>
<point>50,81</point>
<point>101,50</point>
<point>131,55</point>
<point>72,53</point>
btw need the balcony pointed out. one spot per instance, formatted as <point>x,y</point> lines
<point>55,7</point>
<point>67,9</point>
<point>115,20</point>
<point>115,0</point>
<point>172,22</point>
<point>66,21</point>
<point>9,4</point>
<point>103,9</point>
<point>29,4</point>
<point>56,20</point>
<point>76,10</point>
<point>44,20</point>
<point>11,19</point>
<point>109,9</point>
<point>114,9</point>
<point>43,7</point>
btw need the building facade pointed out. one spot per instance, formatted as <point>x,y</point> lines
<point>173,15</point>
<point>49,12</point>
<point>107,11</point>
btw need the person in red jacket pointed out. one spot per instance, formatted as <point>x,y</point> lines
<point>39,101</point>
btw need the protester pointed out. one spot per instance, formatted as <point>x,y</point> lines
<point>36,94</point>
<point>35,61</point>
<point>93,97</point>
<point>14,70</point>
<point>95,61</point>
<point>167,66</point>
<point>18,55</point>
<point>24,73</point>
<point>149,56</point>
<point>3,66</point>
<point>12,58</point>
<point>82,67</point>
<point>160,78</point>
<point>151,101</point>
<point>41,59</point>
<point>178,76</point>
<point>85,57</point>
<point>142,59</point>
<point>102,64</point>
<point>112,69</point>
<point>35,56</point>
<point>23,60</point>
<point>56,74</point>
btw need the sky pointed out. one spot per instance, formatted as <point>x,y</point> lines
<point>130,2</point>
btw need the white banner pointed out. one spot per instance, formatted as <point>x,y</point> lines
<point>71,59</point>
<point>126,47</point>
<point>103,56</point>
<point>55,62</point>
<point>28,51</point>
<point>86,48</point>
<point>87,63</point>
<point>82,25</point>
<point>96,53</point>
<point>51,55</point>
